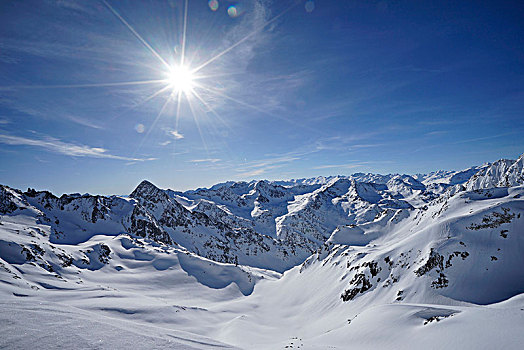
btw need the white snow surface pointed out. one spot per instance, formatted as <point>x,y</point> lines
<point>371,262</point>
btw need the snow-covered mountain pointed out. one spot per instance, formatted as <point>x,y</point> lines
<point>374,261</point>
<point>502,173</point>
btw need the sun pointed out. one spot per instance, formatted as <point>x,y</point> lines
<point>181,82</point>
<point>181,79</point>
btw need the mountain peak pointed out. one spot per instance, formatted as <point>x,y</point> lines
<point>502,173</point>
<point>146,189</point>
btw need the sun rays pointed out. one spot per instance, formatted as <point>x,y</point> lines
<point>184,83</point>
<point>178,80</point>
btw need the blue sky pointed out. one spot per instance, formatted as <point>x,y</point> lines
<point>284,89</point>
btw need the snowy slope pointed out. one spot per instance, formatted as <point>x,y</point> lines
<point>448,177</point>
<point>149,212</point>
<point>370,261</point>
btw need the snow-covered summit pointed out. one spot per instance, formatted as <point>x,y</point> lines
<point>312,263</point>
<point>146,190</point>
<point>502,173</point>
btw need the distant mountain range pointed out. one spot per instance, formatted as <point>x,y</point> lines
<point>300,259</point>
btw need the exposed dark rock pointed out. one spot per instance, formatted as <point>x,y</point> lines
<point>434,260</point>
<point>494,220</point>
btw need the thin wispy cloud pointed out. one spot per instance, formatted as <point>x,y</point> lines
<point>338,166</point>
<point>259,167</point>
<point>175,134</point>
<point>71,5</point>
<point>83,121</point>
<point>481,138</point>
<point>250,31</point>
<point>271,161</point>
<point>55,145</point>
<point>256,172</point>
<point>47,49</point>
<point>48,111</point>
<point>38,159</point>
<point>266,165</point>
<point>464,141</point>
<point>277,90</point>
<point>269,91</point>
<point>368,145</point>
<point>347,143</point>
<point>206,160</point>
<point>436,133</point>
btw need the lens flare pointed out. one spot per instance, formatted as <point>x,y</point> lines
<point>232,11</point>
<point>213,5</point>
<point>309,5</point>
<point>140,128</point>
